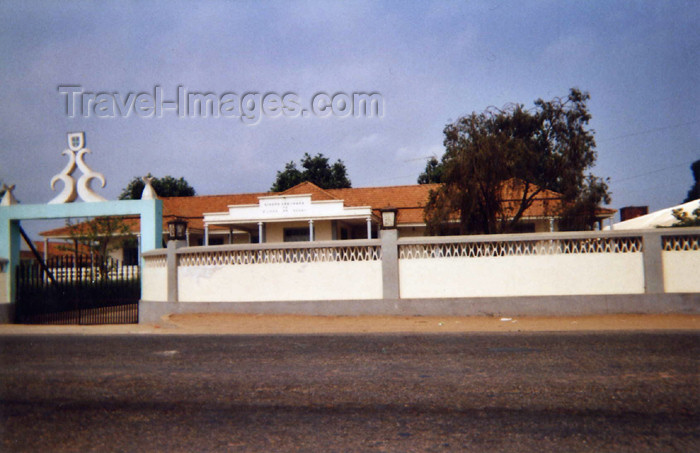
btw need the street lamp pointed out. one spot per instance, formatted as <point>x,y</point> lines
<point>388,218</point>
<point>177,230</point>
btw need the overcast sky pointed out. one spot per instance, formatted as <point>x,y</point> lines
<point>432,62</point>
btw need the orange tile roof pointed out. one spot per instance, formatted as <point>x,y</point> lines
<point>409,200</point>
<point>55,249</point>
<point>132,222</point>
<point>309,188</point>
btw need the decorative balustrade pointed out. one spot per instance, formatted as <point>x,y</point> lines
<point>500,248</point>
<point>155,260</point>
<point>203,257</point>
<point>678,243</point>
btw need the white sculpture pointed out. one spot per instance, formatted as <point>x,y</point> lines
<point>84,190</point>
<point>68,194</point>
<point>76,142</point>
<point>8,199</point>
<point>148,193</point>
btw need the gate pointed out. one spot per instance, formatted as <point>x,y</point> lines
<point>78,291</point>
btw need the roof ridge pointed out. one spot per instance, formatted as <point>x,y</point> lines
<point>218,195</point>
<point>388,187</point>
<point>308,183</point>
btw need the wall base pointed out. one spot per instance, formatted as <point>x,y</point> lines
<point>7,313</point>
<point>676,303</point>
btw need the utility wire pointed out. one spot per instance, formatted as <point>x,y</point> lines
<point>649,131</point>
<point>650,172</point>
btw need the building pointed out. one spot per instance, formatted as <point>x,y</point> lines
<point>306,212</point>
<point>658,219</point>
<point>631,212</point>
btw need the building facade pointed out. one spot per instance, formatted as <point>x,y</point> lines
<point>307,212</point>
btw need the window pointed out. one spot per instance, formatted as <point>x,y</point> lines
<point>131,256</point>
<point>216,240</point>
<point>296,234</point>
<point>524,228</point>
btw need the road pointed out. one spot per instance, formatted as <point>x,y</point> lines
<point>461,392</point>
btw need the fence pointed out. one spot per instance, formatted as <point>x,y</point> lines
<point>77,291</point>
<point>653,271</point>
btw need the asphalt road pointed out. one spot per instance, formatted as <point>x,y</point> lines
<point>484,392</point>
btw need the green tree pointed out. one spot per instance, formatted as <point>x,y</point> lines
<point>694,192</point>
<point>166,186</point>
<point>685,220</point>
<point>521,152</point>
<point>98,237</point>
<point>317,170</point>
<point>433,172</point>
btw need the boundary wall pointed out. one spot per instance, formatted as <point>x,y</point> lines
<point>649,271</point>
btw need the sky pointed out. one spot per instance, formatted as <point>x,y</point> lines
<point>430,63</point>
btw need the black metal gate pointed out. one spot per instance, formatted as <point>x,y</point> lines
<point>78,291</point>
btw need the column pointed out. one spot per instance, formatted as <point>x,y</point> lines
<point>261,232</point>
<point>653,264</point>
<point>369,228</point>
<point>390,264</point>
<point>206,234</point>
<point>311,230</point>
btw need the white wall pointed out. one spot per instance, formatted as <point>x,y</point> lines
<point>565,274</point>
<point>281,282</point>
<point>154,282</point>
<point>549,264</point>
<point>681,271</point>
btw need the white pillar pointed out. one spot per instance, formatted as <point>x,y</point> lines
<point>311,230</point>
<point>206,234</point>
<point>260,233</point>
<point>551,224</point>
<point>369,228</point>
<point>187,237</point>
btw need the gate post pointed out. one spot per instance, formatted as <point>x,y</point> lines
<point>171,263</point>
<point>390,265</point>
<point>653,263</point>
<point>9,252</point>
<point>149,211</point>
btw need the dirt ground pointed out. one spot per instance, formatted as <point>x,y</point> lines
<point>218,323</point>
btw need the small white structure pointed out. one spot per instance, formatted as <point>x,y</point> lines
<point>660,218</point>
<point>283,209</point>
<point>76,144</point>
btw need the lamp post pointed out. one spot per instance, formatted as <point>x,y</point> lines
<point>388,218</point>
<point>177,230</point>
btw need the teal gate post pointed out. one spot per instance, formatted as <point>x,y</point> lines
<point>150,212</point>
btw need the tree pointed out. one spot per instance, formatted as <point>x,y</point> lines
<point>166,186</point>
<point>316,170</point>
<point>685,220</point>
<point>694,192</point>
<point>98,236</point>
<point>290,177</point>
<point>433,172</point>
<point>498,153</point>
